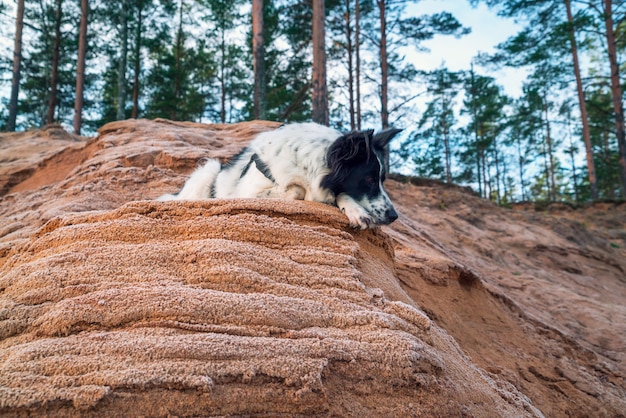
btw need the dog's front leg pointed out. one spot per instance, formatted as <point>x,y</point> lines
<point>291,192</point>
<point>357,215</point>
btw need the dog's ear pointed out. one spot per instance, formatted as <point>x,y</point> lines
<point>382,139</point>
<point>350,147</point>
<point>347,151</point>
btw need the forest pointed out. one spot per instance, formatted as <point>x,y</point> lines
<point>84,63</point>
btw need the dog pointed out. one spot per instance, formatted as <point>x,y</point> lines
<point>305,161</point>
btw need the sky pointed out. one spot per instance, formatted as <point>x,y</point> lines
<point>456,54</point>
<point>488,30</point>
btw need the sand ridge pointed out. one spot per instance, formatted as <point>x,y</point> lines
<point>113,304</point>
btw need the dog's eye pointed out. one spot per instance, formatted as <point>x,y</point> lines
<point>370,180</point>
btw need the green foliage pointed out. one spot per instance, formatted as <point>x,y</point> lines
<point>431,147</point>
<point>37,64</point>
<point>402,31</point>
<point>423,28</point>
<point>175,83</point>
<point>149,32</point>
<point>288,67</point>
<point>230,77</point>
<point>605,149</point>
<point>480,151</point>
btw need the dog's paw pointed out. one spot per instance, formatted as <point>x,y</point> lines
<point>295,192</point>
<point>358,217</point>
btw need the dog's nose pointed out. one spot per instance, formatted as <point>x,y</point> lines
<point>391,215</point>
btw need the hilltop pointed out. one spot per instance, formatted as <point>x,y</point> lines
<point>114,304</point>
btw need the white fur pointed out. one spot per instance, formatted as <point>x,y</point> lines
<point>296,157</point>
<point>198,186</point>
<point>363,212</point>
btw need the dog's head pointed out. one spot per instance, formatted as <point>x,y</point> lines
<point>356,163</point>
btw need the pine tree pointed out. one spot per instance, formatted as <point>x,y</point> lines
<point>606,154</point>
<point>432,147</point>
<point>525,127</point>
<point>262,90</point>
<point>137,59</point>
<point>49,63</point>
<point>572,150</point>
<point>17,66</point>
<point>391,31</point>
<point>357,61</point>
<point>288,64</point>
<point>591,169</point>
<point>341,55</point>
<point>607,14</point>
<point>384,65</point>
<point>148,32</point>
<point>258,56</point>
<point>320,90</point>
<point>481,155</point>
<point>176,83</point>
<point>123,13</point>
<point>550,36</point>
<point>80,70</point>
<point>56,52</point>
<point>232,77</point>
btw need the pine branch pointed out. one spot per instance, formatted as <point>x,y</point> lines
<point>410,99</point>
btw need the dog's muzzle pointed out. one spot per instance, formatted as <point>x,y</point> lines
<point>390,216</point>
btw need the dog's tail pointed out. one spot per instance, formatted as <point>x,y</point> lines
<point>199,185</point>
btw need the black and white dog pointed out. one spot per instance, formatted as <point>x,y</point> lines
<point>304,161</point>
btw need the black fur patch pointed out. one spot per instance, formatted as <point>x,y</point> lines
<point>263,168</point>
<point>235,159</point>
<point>354,162</point>
<point>245,169</point>
<point>350,159</point>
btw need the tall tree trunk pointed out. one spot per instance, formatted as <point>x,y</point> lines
<point>498,173</point>
<point>483,164</point>
<point>591,167</point>
<point>137,70</point>
<point>616,91</point>
<point>606,157</point>
<point>571,153</point>
<point>476,130</point>
<point>223,76</point>
<point>258,54</point>
<point>350,48</point>
<point>446,142</point>
<point>178,56</point>
<point>17,66</point>
<point>320,89</point>
<point>505,178</point>
<point>479,172</point>
<point>357,42</point>
<point>546,169</point>
<point>551,169</point>
<point>521,168</point>
<point>121,69</point>
<point>56,51</point>
<point>384,66</point>
<point>80,66</point>
<point>384,73</point>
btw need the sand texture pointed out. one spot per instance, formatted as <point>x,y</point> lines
<point>113,304</point>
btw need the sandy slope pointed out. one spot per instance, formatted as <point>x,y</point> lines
<point>113,304</point>
<point>533,297</point>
